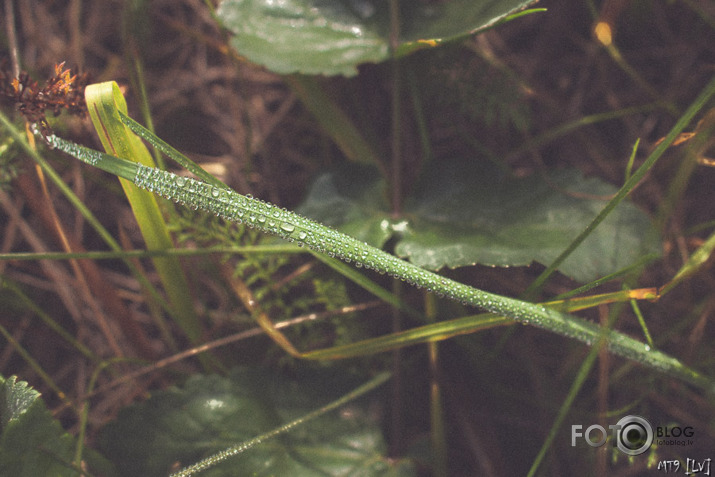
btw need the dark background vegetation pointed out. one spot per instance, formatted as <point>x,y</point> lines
<point>487,97</point>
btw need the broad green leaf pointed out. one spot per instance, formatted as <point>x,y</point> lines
<point>212,413</point>
<point>32,442</point>
<point>354,202</point>
<point>464,214</point>
<point>332,37</point>
<point>16,398</point>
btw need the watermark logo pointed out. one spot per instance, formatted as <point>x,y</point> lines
<point>633,435</point>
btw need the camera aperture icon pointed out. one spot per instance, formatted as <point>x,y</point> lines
<point>634,435</point>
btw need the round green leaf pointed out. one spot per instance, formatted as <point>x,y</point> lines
<point>332,37</point>
<point>465,214</point>
<point>333,199</point>
<point>32,442</point>
<point>179,427</point>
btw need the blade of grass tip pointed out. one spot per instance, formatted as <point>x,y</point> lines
<point>240,448</point>
<point>631,160</point>
<point>629,270</point>
<point>172,153</point>
<point>140,86</point>
<point>628,186</point>
<point>696,261</point>
<point>592,301</point>
<point>104,101</point>
<point>293,227</point>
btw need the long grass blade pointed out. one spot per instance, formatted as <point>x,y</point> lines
<point>104,101</point>
<point>324,240</point>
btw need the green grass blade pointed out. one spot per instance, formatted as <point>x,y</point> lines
<point>696,261</point>
<point>104,102</point>
<point>162,146</point>
<point>434,332</point>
